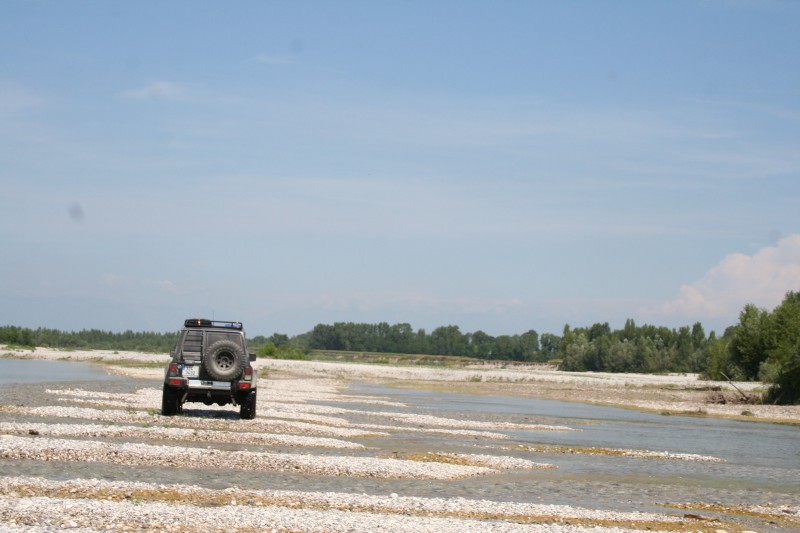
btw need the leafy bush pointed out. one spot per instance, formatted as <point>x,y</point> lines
<point>287,351</point>
<point>268,350</point>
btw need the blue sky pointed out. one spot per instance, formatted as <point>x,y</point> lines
<point>501,166</point>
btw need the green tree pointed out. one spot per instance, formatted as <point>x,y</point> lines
<point>550,346</point>
<point>448,340</point>
<point>279,339</point>
<point>784,357</point>
<point>719,357</point>
<point>751,342</point>
<point>325,337</point>
<point>621,356</point>
<point>574,348</point>
<point>481,345</point>
<point>529,345</point>
<point>402,338</point>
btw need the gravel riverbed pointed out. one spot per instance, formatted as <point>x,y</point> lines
<point>98,456</point>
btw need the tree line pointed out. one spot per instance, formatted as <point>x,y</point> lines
<point>444,340</point>
<point>595,348</point>
<point>764,345</point>
<point>89,339</point>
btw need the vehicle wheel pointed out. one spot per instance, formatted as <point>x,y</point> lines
<point>224,360</point>
<point>170,402</point>
<point>248,406</point>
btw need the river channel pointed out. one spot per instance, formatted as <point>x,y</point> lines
<point>759,463</point>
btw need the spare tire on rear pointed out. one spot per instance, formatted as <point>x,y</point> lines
<point>224,360</point>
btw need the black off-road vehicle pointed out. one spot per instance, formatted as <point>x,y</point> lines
<point>210,364</point>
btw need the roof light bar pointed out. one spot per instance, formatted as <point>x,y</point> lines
<point>206,323</point>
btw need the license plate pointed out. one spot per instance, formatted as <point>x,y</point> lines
<point>191,371</point>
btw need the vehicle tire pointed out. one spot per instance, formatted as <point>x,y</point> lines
<point>247,409</point>
<point>170,402</point>
<point>224,360</point>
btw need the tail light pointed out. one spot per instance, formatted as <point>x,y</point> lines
<point>247,378</point>
<point>173,375</point>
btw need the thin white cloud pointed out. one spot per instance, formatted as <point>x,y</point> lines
<point>761,279</point>
<point>157,90</point>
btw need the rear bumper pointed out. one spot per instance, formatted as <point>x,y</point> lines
<point>201,387</point>
<point>200,384</point>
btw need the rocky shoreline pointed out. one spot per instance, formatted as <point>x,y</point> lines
<point>88,437</point>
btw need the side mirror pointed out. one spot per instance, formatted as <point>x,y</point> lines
<point>252,356</point>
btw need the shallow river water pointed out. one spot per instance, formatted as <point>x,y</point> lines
<point>757,456</point>
<point>760,462</point>
<point>34,371</point>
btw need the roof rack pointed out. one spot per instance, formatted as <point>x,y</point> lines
<point>206,323</point>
